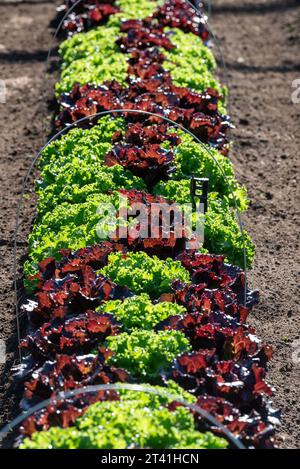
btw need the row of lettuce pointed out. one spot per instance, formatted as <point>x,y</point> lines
<point>139,310</point>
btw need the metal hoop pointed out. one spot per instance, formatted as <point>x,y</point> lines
<point>115,387</point>
<point>101,114</point>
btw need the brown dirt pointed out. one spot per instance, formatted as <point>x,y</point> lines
<point>260,41</point>
<point>25,37</point>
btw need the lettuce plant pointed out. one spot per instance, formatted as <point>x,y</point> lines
<point>82,61</point>
<point>78,181</point>
<point>144,274</point>
<point>78,225</point>
<point>144,354</point>
<point>222,232</point>
<point>134,9</point>
<point>90,145</point>
<point>192,158</point>
<point>190,63</point>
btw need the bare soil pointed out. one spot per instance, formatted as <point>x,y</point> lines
<point>260,42</point>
